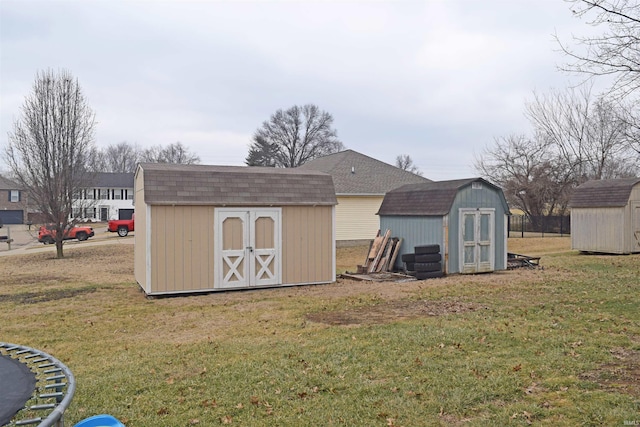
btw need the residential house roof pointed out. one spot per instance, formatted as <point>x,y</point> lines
<point>356,174</point>
<point>603,193</point>
<point>100,179</point>
<point>8,184</point>
<point>429,198</point>
<point>113,180</point>
<point>234,185</point>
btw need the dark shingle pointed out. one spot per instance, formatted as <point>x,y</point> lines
<point>112,180</point>
<point>426,199</point>
<point>357,174</point>
<point>235,185</point>
<point>99,179</point>
<point>603,193</point>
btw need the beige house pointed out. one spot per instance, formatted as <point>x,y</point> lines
<point>361,183</point>
<point>605,216</point>
<point>208,228</point>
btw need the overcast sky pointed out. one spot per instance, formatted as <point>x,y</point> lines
<point>437,80</point>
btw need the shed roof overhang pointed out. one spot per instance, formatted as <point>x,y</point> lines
<point>170,184</point>
<point>603,193</point>
<point>429,198</point>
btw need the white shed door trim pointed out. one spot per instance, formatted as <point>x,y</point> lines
<point>247,247</point>
<point>477,240</point>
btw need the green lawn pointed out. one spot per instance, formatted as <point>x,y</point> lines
<point>558,346</point>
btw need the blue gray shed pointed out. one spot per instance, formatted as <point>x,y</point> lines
<point>466,217</point>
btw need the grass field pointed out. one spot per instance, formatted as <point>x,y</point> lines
<point>557,346</point>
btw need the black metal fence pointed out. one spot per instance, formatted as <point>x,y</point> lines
<point>539,226</point>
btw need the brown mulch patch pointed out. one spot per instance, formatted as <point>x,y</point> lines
<point>44,296</point>
<point>392,311</point>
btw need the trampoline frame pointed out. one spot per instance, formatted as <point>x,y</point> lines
<point>55,386</point>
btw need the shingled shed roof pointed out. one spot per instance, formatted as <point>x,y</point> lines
<point>603,193</point>
<point>427,199</point>
<point>234,185</point>
<point>356,174</point>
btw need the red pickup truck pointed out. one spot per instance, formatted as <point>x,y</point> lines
<point>121,226</point>
<point>47,233</point>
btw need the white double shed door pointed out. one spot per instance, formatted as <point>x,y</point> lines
<point>477,240</point>
<point>248,247</point>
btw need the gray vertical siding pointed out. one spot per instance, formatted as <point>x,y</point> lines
<point>599,230</point>
<point>415,230</point>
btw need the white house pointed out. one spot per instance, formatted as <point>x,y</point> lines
<point>109,197</point>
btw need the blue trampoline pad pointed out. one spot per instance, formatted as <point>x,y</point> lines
<point>103,420</point>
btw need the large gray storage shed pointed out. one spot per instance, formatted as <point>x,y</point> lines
<point>466,217</point>
<point>605,216</point>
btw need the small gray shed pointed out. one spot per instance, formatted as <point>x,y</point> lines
<point>466,217</point>
<point>605,216</point>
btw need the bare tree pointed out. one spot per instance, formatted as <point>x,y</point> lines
<point>576,137</point>
<point>293,137</point>
<point>173,153</point>
<point>587,132</point>
<point>616,52</point>
<point>51,146</point>
<point>405,162</point>
<point>629,115</point>
<point>610,155</point>
<point>152,155</point>
<point>533,178</point>
<point>121,158</point>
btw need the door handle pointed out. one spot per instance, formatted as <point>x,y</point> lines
<point>250,248</point>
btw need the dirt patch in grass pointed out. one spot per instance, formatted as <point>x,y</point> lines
<point>620,375</point>
<point>44,296</point>
<point>21,279</point>
<point>392,311</point>
<point>391,291</point>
